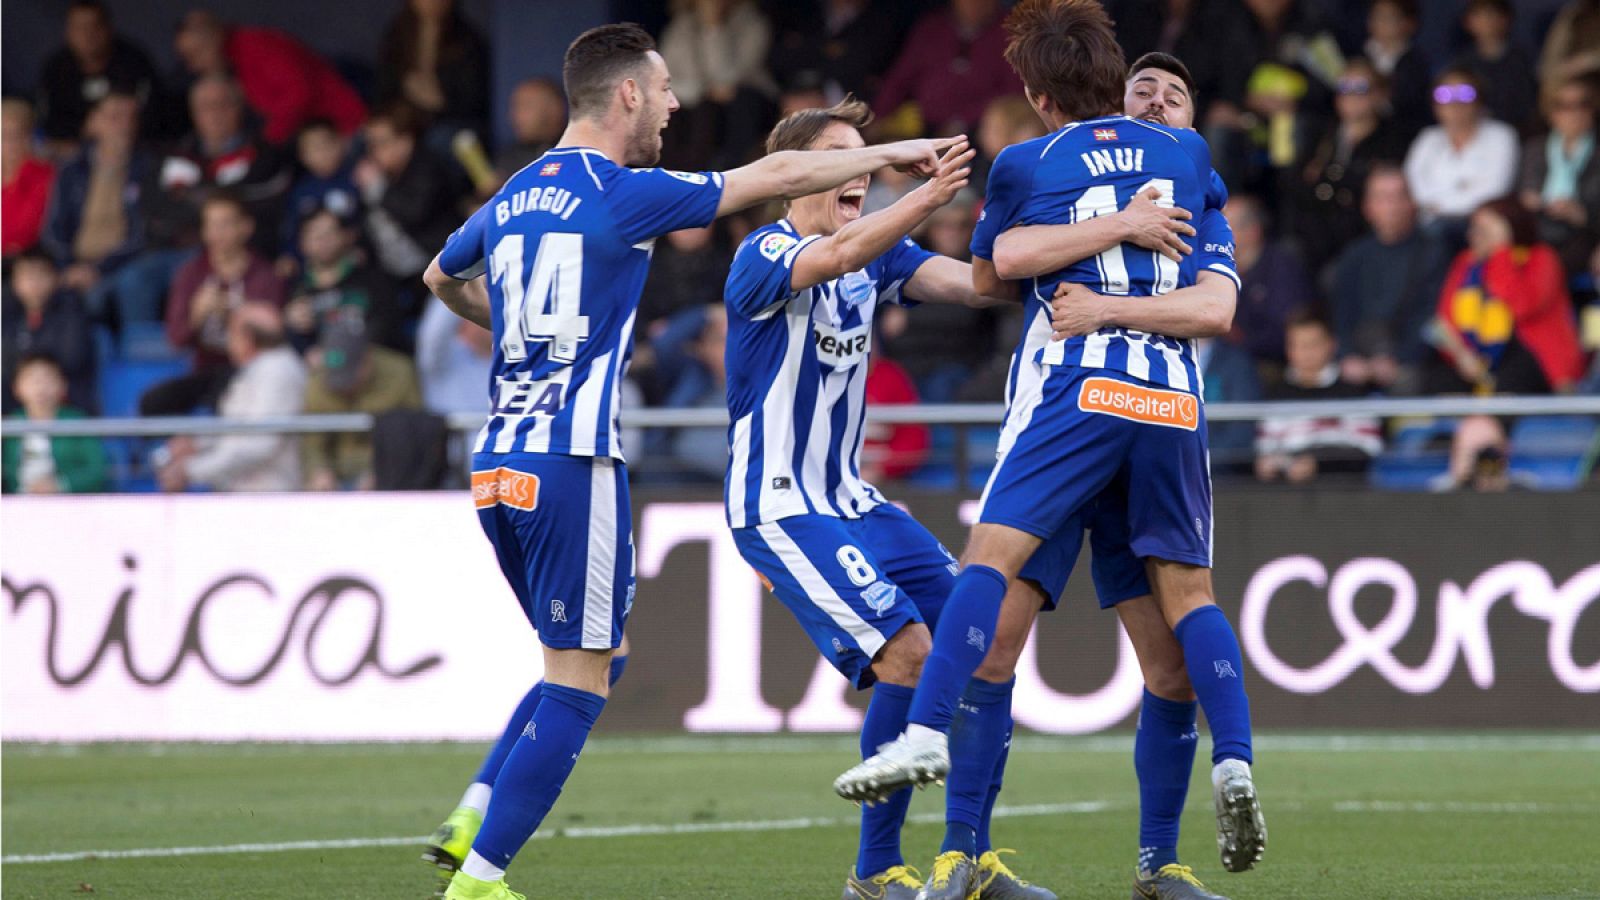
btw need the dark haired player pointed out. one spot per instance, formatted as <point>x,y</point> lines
<point>565,246</point>
<point>1116,408</point>
<point>1160,90</point>
<point>864,579</point>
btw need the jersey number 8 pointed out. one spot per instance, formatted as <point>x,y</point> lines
<point>553,316</point>
<point>856,567</point>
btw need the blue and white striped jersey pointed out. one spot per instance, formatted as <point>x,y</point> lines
<point>567,244</point>
<point>1094,168</point>
<point>797,374</point>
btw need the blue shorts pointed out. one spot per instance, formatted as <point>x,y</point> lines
<point>1118,573</point>
<point>562,530</point>
<point>852,583</point>
<point>1095,428</point>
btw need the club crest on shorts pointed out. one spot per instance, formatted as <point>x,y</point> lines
<point>879,596</point>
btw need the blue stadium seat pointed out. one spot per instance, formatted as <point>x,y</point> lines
<point>1554,453</point>
<point>1417,454</point>
<point>123,380</point>
<point>147,341</point>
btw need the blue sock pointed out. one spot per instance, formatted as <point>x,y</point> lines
<point>959,645</point>
<point>977,740</point>
<point>534,772</point>
<point>490,770</point>
<point>1216,669</point>
<point>880,824</point>
<point>1163,758</point>
<point>985,844</point>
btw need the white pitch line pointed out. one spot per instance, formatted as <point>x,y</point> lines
<point>600,831</point>
<point>1455,806</point>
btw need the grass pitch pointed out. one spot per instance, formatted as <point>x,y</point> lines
<point>1382,816</point>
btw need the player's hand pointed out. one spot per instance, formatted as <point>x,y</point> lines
<point>921,157</point>
<point>1158,228</point>
<point>1076,310</point>
<point>955,170</point>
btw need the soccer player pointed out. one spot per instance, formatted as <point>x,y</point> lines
<point>1159,89</point>
<point>565,246</point>
<point>1114,409</point>
<point>864,579</point>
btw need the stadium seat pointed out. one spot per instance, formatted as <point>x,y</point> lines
<point>1417,454</point>
<point>1554,453</point>
<point>123,380</point>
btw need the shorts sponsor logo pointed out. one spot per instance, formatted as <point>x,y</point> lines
<point>774,245</point>
<point>507,487</point>
<point>1137,403</point>
<point>879,597</point>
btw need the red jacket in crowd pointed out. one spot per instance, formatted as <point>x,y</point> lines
<point>951,78</point>
<point>288,84</point>
<point>1531,282</point>
<point>894,450</point>
<point>23,205</point>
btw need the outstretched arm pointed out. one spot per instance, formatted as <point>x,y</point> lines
<point>945,280</point>
<point>468,299</point>
<point>796,173</point>
<point>1204,310</point>
<point>871,236</point>
<point>1030,250</point>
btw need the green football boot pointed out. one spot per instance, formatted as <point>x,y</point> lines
<point>452,840</point>
<point>465,887</point>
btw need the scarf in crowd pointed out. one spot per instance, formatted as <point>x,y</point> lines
<point>1562,171</point>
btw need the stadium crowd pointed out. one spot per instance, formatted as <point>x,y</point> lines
<point>253,227</point>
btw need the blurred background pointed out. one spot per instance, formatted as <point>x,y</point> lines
<point>216,217</point>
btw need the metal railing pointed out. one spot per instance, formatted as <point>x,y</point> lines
<point>966,414</point>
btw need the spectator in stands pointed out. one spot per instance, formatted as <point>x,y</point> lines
<point>95,223</point>
<point>433,59</point>
<point>408,193</point>
<point>1510,90</point>
<point>453,356</point>
<point>1455,166</point>
<point>222,152</point>
<point>1504,321</point>
<point>93,63</point>
<point>38,464</point>
<point>349,375</point>
<point>1561,174</point>
<point>206,291</point>
<point>687,272</point>
<point>42,317</point>
<point>1275,284</point>
<point>1299,448</point>
<point>1328,199</point>
<point>843,50</point>
<point>1572,45</point>
<point>1392,48</point>
<point>537,116</point>
<point>1259,66</point>
<point>27,179</point>
<point>336,284</point>
<point>326,182</point>
<point>1228,375</point>
<point>951,66</point>
<point>1504,325</point>
<point>717,52</point>
<point>285,82</point>
<point>270,382</point>
<point>941,346</point>
<point>890,452</point>
<point>1007,120</point>
<point>701,382</point>
<point>1384,288</point>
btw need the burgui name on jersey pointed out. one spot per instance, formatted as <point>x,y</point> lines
<point>558,202</point>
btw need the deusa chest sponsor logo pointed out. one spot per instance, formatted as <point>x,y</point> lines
<point>1461,628</point>
<point>309,619</point>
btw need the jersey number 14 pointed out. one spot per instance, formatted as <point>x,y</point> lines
<point>1101,200</point>
<point>554,314</point>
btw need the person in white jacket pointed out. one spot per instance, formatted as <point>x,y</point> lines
<point>1464,161</point>
<point>270,380</point>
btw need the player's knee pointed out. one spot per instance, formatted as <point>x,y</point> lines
<point>900,660</point>
<point>1175,607</point>
<point>1170,681</point>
